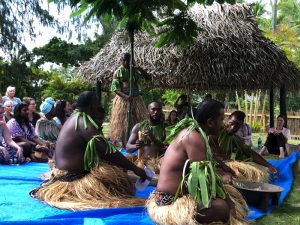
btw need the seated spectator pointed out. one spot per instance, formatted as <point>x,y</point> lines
<point>10,152</point>
<point>244,132</point>
<point>69,109</point>
<point>172,118</point>
<point>46,127</point>
<point>10,95</point>
<point>32,114</point>
<point>60,112</point>
<point>277,139</point>
<point>182,106</point>
<point>8,111</point>
<point>22,132</point>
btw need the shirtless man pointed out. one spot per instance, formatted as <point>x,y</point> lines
<point>83,155</point>
<point>71,143</point>
<point>234,123</point>
<point>188,145</point>
<point>153,130</point>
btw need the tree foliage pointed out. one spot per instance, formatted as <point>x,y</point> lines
<point>287,34</point>
<point>167,18</point>
<point>18,17</point>
<point>68,54</point>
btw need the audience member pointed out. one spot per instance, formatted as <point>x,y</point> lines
<point>277,139</point>
<point>172,118</point>
<point>8,111</point>
<point>244,132</point>
<point>69,109</point>
<point>46,127</point>
<point>182,106</point>
<point>10,152</point>
<point>60,112</point>
<point>33,116</point>
<point>22,132</point>
<point>10,95</point>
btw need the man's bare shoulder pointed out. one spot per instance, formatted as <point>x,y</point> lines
<point>190,137</point>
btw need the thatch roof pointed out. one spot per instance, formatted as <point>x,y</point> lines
<point>230,53</point>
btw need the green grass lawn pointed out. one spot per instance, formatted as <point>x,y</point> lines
<point>289,212</point>
<point>263,136</point>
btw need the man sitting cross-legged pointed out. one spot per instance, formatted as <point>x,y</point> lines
<point>90,172</point>
<point>246,163</point>
<point>148,137</point>
<point>189,191</point>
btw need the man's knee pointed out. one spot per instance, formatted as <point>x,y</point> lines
<point>221,207</point>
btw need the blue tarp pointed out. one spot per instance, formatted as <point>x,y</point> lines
<point>17,207</point>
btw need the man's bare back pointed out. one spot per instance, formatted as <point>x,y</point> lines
<point>71,144</point>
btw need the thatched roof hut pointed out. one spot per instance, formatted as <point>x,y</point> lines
<point>230,53</point>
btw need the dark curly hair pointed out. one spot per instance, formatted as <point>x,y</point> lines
<point>60,110</point>
<point>18,117</point>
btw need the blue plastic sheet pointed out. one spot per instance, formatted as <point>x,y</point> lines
<point>17,207</point>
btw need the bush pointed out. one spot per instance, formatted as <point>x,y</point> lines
<point>256,127</point>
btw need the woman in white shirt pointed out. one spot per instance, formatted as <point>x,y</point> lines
<point>277,139</point>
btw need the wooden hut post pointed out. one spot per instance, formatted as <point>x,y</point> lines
<point>251,107</point>
<point>98,91</point>
<point>246,107</point>
<point>238,100</point>
<point>282,103</point>
<point>271,97</point>
<point>129,113</point>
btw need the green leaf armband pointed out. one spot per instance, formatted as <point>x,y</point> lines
<point>91,157</point>
<point>115,85</point>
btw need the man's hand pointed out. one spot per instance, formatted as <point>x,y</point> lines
<point>149,134</point>
<point>128,98</point>
<point>139,144</point>
<point>141,173</point>
<point>227,178</point>
<point>5,154</point>
<point>19,155</point>
<point>273,170</point>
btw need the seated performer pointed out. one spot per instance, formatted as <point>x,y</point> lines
<point>277,139</point>
<point>90,171</point>
<point>149,134</point>
<point>148,137</point>
<point>188,190</point>
<point>229,146</point>
<point>121,86</point>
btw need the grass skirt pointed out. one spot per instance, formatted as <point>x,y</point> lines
<point>153,163</point>
<point>183,210</point>
<point>249,171</point>
<point>104,187</point>
<point>118,125</point>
